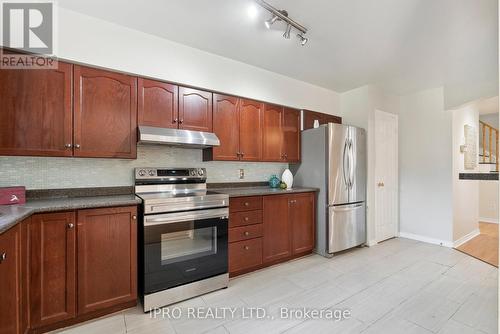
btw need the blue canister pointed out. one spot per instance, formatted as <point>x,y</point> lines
<point>274,182</point>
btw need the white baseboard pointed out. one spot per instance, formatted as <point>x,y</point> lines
<point>466,238</point>
<point>371,243</point>
<point>488,220</point>
<point>426,239</point>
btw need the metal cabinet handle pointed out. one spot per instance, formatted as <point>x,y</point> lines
<point>77,145</point>
<point>246,219</point>
<point>246,234</point>
<point>242,154</point>
<point>68,145</point>
<point>247,204</point>
<point>134,217</point>
<point>3,257</point>
<point>181,121</point>
<point>175,120</point>
<point>247,248</point>
<point>238,154</point>
<point>71,225</point>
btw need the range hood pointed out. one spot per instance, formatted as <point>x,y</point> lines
<point>177,137</point>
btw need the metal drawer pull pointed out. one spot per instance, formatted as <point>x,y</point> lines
<point>68,145</point>
<point>71,225</point>
<point>77,145</point>
<point>3,257</point>
<point>247,204</point>
<point>247,248</point>
<point>246,219</point>
<point>246,233</point>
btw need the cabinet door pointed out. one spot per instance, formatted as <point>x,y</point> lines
<point>195,109</point>
<point>105,114</point>
<point>107,257</point>
<point>272,133</point>
<point>311,116</point>
<point>291,134</point>
<point>302,213</point>
<point>276,239</point>
<point>36,115</point>
<point>52,270</point>
<point>226,127</point>
<point>157,104</point>
<point>251,130</point>
<point>10,281</point>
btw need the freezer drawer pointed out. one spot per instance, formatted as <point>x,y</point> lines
<point>346,226</point>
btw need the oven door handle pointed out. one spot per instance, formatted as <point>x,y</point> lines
<point>177,217</point>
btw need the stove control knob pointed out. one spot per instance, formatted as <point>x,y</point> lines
<point>200,172</point>
<point>142,172</point>
<point>192,172</point>
<point>151,173</point>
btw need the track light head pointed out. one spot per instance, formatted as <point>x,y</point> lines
<point>270,22</point>
<point>303,39</point>
<point>287,31</point>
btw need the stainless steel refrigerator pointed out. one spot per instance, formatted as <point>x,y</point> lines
<point>334,160</point>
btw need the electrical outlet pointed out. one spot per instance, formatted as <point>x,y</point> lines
<point>242,174</point>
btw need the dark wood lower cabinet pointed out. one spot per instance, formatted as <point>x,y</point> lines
<point>107,257</point>
<point>10,281</point>
<point>265,230</point>
<point>61,268</point>
<point>302,217</point>
<point>52,268</point>
<point>276,241</point>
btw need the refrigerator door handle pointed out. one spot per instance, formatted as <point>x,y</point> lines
<point>344,160</point>
<point>351,164</point>
<point>347,207</point>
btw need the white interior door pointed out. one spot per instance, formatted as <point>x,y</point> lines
<point>386,176</point>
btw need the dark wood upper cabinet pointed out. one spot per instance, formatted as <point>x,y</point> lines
<point>35,112</point>
<point>10,281</point>
<point>276,243</point>
<point>107,257</point>
<point>291,135</point>
<point>301,215</point>
<point>105,111</point>
<point>226,122</point>
<point>52,268</point>
<point>272,137</point>
<point>310,116</point>
<point>251,116</point>
<point>195,109</point>
<point>157,104</point>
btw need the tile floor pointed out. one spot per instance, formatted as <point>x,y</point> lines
<point>399,286</point>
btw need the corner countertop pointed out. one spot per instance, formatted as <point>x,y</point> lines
<point>10,215</point>
<point>260,191</point>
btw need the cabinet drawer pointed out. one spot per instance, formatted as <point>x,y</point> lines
<point>245,254</point>
<point>245,218</point>
<point>245,232</point>
<point>245,203</point>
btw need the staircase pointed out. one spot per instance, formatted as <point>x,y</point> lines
<point>488,147</point>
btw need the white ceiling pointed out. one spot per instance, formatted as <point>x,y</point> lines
<point>488,106</point>
<point>401,45</point>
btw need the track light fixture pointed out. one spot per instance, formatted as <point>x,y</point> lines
<point>287,31</point>
<point>270,22</point>
<point>282,15</point>
<point>303,40</point>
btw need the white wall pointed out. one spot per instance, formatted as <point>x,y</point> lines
<point>425,167</point>
<point>357,107</point>
<point>93,41</point>
<point>465,192</point>
<point>488,201</point>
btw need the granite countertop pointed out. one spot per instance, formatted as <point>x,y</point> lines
<point>260,190</point>
<point>491,176</point>
<point>10,215</point>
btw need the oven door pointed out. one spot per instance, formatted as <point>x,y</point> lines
<point>184,247</point>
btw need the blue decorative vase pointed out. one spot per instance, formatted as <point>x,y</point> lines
<point>274,182</point>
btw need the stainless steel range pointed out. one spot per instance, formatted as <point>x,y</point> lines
<point>184,236</point>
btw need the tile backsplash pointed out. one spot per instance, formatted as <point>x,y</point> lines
<point>53,173</point>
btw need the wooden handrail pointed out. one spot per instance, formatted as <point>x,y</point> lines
<point>491,130</point>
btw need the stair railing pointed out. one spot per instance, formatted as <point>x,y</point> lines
<point>488,128</point>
